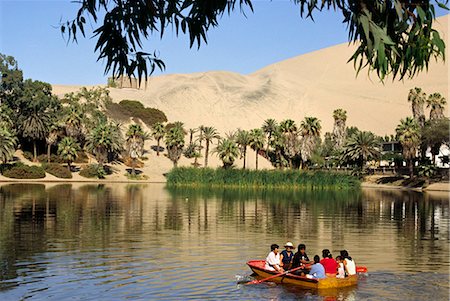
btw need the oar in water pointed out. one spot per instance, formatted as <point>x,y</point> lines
<point>273,276</point>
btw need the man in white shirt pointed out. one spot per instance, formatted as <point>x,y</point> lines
<point>273,259</point>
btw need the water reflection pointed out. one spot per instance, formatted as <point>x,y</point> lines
<point>57,239</point>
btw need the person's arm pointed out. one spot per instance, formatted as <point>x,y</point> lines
<point>345,267</point>
<point>281,260</point>
<point>273,262</point>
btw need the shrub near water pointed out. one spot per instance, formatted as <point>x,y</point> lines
<point>259,178</point>
<point>57,170</point>
<point>21,171</point>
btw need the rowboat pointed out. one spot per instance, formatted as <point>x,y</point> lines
<point>257,266</point>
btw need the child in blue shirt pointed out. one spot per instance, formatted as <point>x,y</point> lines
<point>317,269</point>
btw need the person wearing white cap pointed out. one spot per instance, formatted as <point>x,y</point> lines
<point>287,256</point>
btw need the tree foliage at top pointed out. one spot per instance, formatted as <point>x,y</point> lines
<point>394,37</point>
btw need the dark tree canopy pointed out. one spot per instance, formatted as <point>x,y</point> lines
<point>394,37</point>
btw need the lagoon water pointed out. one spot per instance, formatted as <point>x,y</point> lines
<point>145,242</point>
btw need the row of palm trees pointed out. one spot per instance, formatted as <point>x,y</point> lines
<point>287,145</point>
<point>78,122</point>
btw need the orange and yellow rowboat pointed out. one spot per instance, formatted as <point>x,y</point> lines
<point>257,266</point>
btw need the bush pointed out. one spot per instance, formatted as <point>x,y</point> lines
<point>94,171</point>
<point>53,158</point>
<point>20,171</point>
<point>259,178</point>
<point>57,170</point>
<point>127,109</point>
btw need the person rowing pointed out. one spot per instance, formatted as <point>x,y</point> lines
<point>301,259</point>
<point>273,259</point>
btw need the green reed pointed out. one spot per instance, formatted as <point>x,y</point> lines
<point>208,177</point>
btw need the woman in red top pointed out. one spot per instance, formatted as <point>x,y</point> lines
<point>329,263</point>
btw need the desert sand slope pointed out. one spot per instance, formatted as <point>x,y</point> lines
<point>313,84</point>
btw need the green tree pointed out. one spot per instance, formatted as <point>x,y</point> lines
<point>256,142</point>
<point>310,129</point>
<point>37,106</point>
<point>243,141</point>
<point>8,144</point>
<point>387,32</point>
<point>417,98</point>
<point>437,104</point>
<point>73,119</point>
<point>158,133</point>
<point>228,151</point>
<point>408,133</point>
<point>269,127</point>
<point>339,133</point>
<point>52,137</point>
<point>209,133</point>
<point>11,83</point>
<point>290,140</point>
<point>361,147</point>
<point>175,143</point>
<point>103,140</point>
<point>135,143</point>
<point>436,133</point>
<point>68,150</point>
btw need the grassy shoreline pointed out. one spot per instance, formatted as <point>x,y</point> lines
<point>238,178</point>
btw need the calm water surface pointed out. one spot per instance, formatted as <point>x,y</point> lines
<point>144,242</point>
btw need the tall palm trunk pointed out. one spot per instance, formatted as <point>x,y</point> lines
<point>34,151</point>
<point>133,166</point>
<point>157,147</point>
<point>206,153</point>
<point>245,156</point>
<point>49,146</point>
<point>69,167</point>
<point>256,159</point>
<point>411,168</point>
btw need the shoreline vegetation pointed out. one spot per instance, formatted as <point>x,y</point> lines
<point>87,136</point>
<point>267,179</point>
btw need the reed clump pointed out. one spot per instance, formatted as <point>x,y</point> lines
<point>208,177</point>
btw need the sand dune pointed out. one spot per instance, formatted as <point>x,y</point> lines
<point>313,84</point>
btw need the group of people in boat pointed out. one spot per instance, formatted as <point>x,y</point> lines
<point>286,260</point>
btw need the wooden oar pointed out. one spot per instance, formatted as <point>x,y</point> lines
<point>273,276</point>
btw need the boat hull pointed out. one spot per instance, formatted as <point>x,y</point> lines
<point>257,266</point>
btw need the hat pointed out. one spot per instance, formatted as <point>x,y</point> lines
<point>289,244</point>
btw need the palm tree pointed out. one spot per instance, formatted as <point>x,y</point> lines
<point>256,142</point>
<point>68,150</point>
<point>269,127</point>
<point>437,104</point>
<point>361,147</point>
<point>158,133</point>
<point>290,136</point>
<point>209,133</point>
<point>73,121</point>
<point>104,139</point>
<point>310,131</point>
<point>52,138</point>
<point>175,143</point>
<point>191,134</point>
<point>8,143</point>
<point>227,151</point>
<point>408,133</point>
<point>243,140</point>
<point>340,117</point>
<point>417,98</point>
<point>135,143</point>
<point>35,127</point>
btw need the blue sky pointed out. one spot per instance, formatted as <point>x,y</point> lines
<point>29,31</point>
